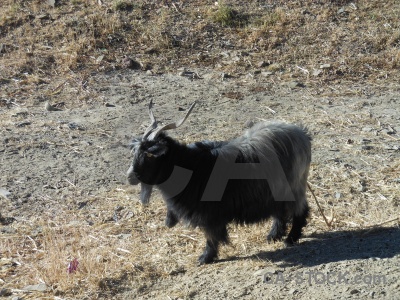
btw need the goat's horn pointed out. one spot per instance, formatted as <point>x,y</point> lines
<point>174,125</point>
<point>153,124</point>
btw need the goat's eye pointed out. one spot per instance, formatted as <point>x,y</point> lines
<point>148,154</point>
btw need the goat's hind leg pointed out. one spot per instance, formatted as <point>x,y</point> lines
<point>171,219</point>
<point>278,229</point>
<point>215,236</point>
<point>299,221</point>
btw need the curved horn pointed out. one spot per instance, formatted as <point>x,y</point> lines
<point>153,124</point>
<point>173,125</point>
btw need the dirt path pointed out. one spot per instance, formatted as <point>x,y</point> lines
<point>56,159</point>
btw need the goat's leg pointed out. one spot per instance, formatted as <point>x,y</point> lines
<point>171,219</point>
<point>215,236</point>
<point>278,229</point>
<point>299,221</point>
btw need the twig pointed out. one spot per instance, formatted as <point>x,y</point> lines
<point>304,70</point>
<point>270,109</point>
<point>383,223</point>
<point>319,207</point>
<point>189,237</point>
<point>173,4</point>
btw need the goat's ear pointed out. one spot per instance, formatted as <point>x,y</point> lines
<point>156,150</point>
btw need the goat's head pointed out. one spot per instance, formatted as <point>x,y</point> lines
<point>150,164</point>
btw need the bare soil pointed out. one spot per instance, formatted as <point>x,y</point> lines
<point>75,83</point>
<point>69,164</point>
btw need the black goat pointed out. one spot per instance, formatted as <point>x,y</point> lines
<point>258,175</point>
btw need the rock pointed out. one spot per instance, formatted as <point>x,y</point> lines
<point>42,17</point>
<point>262,64</point>
<point>75,126</point>
<point>99,59</point>
<point>4,193</point>
<point>270,270</point>
<point>325,66</point>
<point>266,74</point>
<point>366,147</point>
<point>293,291</point>
<point>52,3</point>
<point>6,220</point>
<point>41,287</point>
<point>129,63</point>
<point>7,230</point>
<point>316,72</point>
<point>295,84</point>
<point>354,291</point>
<point>274,67</point>
<point>367,129</point>
<point>50,107</point>
<point>249,124</point>
<point>5,292</point>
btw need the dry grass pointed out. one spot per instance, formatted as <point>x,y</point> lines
<point>120,244</point>
<point>360,41</point>
<point>42,46</point>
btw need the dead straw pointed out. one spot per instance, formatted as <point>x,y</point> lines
<point>319,207</point>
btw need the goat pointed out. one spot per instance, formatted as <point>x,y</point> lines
<point>209,184</point>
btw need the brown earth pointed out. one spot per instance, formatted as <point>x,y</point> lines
<point>63,189</point>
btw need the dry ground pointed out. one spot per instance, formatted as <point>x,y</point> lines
<point>333,66</point>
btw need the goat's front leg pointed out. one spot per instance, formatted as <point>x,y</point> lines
<point>214,236</point>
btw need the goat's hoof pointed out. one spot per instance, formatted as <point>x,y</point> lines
<point>273,238</point>
<point>205,259</point>
<point>289,242</point>
<point>170,222</point>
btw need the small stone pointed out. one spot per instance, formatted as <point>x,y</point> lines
<point>75,126</point>
<point>293,291</point>
<point>42,17</point>
<point>274,67</point>
<point>5,292</point>
<point>50,107</point>
<point>266,74</point>
<point>354,291</point>
<point>366,147</point>
<point>372,294</point>
<point>265,271</point>
<point>262,64</point>
<point>41,287</point>
<point>325,66</point>
<point>249,124</point>
<point>52,3</point>
<point>225,76</point>
<point>316,72</point>
<point>4,193</point>
<point>150,50</point>
<point>367,129</point>
<point>295,84</point>
<point>124,236</point>
<point>129,63</point>
<point>99,59</point>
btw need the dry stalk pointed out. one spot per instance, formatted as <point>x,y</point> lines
<point>329,224</point>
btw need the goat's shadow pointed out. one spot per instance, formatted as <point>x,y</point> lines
<point>326,247</point>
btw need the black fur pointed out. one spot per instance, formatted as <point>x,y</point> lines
<point>244,200</point>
